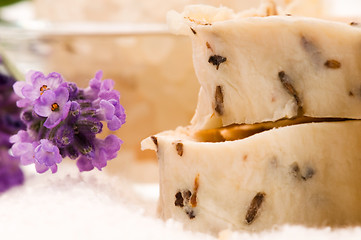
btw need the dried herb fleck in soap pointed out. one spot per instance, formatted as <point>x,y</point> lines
<point>254,207</point>
<point>219,107</point>
<point>216,60</point>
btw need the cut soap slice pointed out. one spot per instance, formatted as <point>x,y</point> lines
<point>255,69</point>
<point>305,174</point>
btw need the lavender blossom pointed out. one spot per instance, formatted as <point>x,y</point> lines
<point>113,113</point>
<point>23,147</point>
<point>54,105</point>
<point>107,149</point>
<point>47,156</point>
<point>35,85</point>
<point>43,153</point>
<point>107,101</point>
<point>10,172</point>
<point>63,121</point>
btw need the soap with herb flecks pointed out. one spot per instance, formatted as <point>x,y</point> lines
<point>304,174</point>
<point>257,69</point>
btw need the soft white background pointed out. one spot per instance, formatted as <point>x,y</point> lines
<point>73,205</point>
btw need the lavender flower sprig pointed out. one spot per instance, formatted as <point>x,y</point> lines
<point>10,172</point>
<point>63,120</point>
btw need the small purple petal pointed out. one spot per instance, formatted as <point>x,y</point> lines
<point>114,124</point>
<point>108,109</point>
<point>41,168</point>
<point>107,85</point>
<point>84,164</point>
<point>22,103</point>
<point>42,106</point>
<point>72,89</point>
<point>53,120</point>
<point>54,79</point>
<point>95,83</point>
<point>112,144</point>
<point>65,110</point>
<point>25,151</point>
<point>47,153</point>
<point>56,117</point>
<point>21,148</point>
<point>54,168</point>
<point>33,76</point>
<point>101,160</point>
<point>107,95</point>
<point>18,87</point>
<point>21,136</point>
<point>99,74</point>
<point>62,95</point>
<point>120,113</point>
<point>29,92</point>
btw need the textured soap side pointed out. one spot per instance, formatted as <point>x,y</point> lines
<point>291,175</point>
<point>275,67</point>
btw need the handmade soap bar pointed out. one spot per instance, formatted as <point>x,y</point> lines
<point>255,69</point>
<point>306,174</point>
<point>271,142</point>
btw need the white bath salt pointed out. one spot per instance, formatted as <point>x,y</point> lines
<point>255,69</point>
<point>92,205</point>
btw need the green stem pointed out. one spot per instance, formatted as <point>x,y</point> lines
<point>8,2</point>
<point>10,66</point>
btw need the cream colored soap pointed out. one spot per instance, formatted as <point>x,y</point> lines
<point>306,174</point>
<point>256,69</point>
<point>271,142</point>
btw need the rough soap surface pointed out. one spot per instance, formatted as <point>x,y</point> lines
<point>305,174</point>
<point>268,68</point>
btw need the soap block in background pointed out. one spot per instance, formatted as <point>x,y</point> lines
<point>153,72</point>
<point>155,11</point>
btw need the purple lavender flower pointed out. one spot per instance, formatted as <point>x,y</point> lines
<point>113,113</point>
<point>106,100</point>
<point>95,86</point>
<point>99,89</point>
<point>35,85</point>
<point>44,154</point>
<point>106,150</point>
<point>10,172</point>
<point>63,121</point>
<point>47,156</point>
<point>23,147</point>
<point>54,105</point>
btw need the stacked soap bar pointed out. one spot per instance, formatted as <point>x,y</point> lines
<point>266,68</point>
<point>276,137</point>
<point>305,174</point>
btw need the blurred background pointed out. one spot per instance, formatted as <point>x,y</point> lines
<point>129,41</point>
